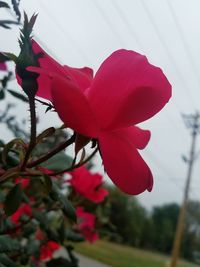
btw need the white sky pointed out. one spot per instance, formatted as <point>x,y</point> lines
<point>83,33</point>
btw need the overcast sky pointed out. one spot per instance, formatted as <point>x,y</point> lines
<point>83,33</point>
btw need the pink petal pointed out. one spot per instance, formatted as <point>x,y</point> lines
<point>136,135</point>
<point>130,89</point>
<point>123,163</point>
<point>82,77</point>
<point>73,107</point>
<point>97,196</point>
<point>49,64</point>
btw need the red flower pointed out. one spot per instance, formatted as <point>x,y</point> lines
<point>47,250</point>
<point>39,235</point>
<point>3,66</point>
<point>24,209</point>
<point>23,181</point>
<point>88,184</point>
<point>86,224</point>
<point>125,91</point>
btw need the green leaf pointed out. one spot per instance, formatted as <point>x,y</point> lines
<point>9,174</point>
<point>6,261</point>
<point>15,5</point>
<point>73,236</point>
<point>58,162</point>
<point>6,23</point>
<point>46,133</point>
<point>1,143</point>
<point>5,56</point>
<point>13,200</point>
<point>41,218</point>
<point>15,142</point>
<point>2,94</point>
<point>33,247</point>
<point>67,207</point>
<point>4,4</point>
<point>7,244</point>
<point>18,95</point>
<point>47,182</point>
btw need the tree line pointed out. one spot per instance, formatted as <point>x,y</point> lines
<point>128,222</point>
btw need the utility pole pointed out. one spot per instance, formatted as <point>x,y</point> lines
<point>191,121</point>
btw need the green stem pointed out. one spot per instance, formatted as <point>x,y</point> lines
<point>75,166</point>
<point>52,152</point>
<point>33,132</point>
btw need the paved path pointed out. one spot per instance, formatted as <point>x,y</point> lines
<point>86,262</point>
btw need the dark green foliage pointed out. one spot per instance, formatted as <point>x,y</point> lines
<point>8,244</point>
<point>164,219</point>
<point>15,4</point>
<point>66,205</point>
<point>131,224</point>
<point>6,261</point>
<point>73,236</point>
<point>127,216</point>
<point>13,200</point>
<point>18,95</point>
<point>59,162</point>
<point>7,23</point>
<point>4,4</point>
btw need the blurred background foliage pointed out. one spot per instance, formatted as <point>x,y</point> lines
<point>131,224</point>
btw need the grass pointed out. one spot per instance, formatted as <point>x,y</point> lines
<point>116,255</point>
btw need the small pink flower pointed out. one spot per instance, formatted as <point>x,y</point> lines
<point>3,66</point>
<point>88,185</point>
<point>23,181</point>
<point>24,209</point>
<point>39,235</point>
<point>125,91</point>
<point>86,224</point>
<point>47,250</point>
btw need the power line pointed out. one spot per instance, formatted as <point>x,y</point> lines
<point>184,82</point>
<point>63,31</point>
<point>185,44</point>
<point>109,23</point>
<point>128,24</point>
<point>140,46</point>
<point>133,33</point>
<point>163,169</point>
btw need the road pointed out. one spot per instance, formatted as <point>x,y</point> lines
<point>83,260</point>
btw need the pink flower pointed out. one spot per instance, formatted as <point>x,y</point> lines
<point>47,250</point>
<point>86,224</point>
<point>39,235</point>
<point>3,66</point>
<point>23,181</point>
<point>24,209</point>
<point>125,91</point>
<point>88,184</point>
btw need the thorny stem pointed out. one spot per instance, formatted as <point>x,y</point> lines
<point>52,152</point>
<point>27,173</point>
<point>76,165</point>
<point>33,132</point>
<point>44,103</point>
